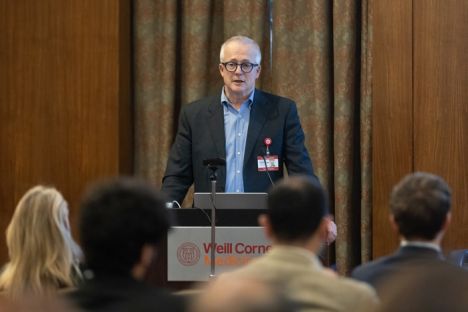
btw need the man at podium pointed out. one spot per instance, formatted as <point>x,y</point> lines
<point>255,132</point>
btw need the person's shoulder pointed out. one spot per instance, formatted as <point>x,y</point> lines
<point>161,298</point>
<point>356,294</point>
<point>365,271</point>
<point>349,294</point>
<point>258,267</point>
<point>151,301</point>
<point>355,285</point>
<point>136,297</point>
<point>274,98</point>
<point>202,103</point>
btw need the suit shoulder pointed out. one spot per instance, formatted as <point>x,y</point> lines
<point>201,104</point>
<point>357,294</point>
<point>356,286</point>
<point>274,98</point>
<point>364,269</point>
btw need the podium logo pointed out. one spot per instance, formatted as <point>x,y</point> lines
<point>188,254</point>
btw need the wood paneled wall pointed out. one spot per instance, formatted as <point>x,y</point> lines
<point>440,102</point>
<point>65,106</point>
<point>420,79</point>
<point>392,142</point>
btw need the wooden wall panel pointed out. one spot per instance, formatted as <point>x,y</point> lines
<point>392,151</point>
<point>441,102</point>
<point>65,113</point>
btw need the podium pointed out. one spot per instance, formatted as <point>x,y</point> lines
<point>193,219</point>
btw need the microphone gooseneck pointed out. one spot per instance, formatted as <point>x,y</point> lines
<point>212,165</point>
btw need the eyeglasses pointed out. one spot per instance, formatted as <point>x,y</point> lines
<point>245,67</point>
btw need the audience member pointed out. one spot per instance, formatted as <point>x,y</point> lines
<point>420,214</point>
<point>296,222</point>
<point>121,223</point>
<point>43,256</point>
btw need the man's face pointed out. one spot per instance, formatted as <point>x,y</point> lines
<point>238,83</point>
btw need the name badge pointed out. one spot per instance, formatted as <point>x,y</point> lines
<point>268,163</point>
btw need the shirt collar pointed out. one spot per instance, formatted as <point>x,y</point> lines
<point>405,243</point>
<point>225,100</point>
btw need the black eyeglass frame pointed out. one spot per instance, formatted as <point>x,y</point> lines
<point>251,66</point>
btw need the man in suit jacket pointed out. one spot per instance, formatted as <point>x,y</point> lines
<point>296,223</point>
<point>252,130</point>
<point>420,213</point>
<point>120,226</point>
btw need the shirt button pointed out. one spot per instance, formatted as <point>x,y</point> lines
<point>238,153</point>
<point>239,134</point>
<point>238,171</point>
<point>238,191</point>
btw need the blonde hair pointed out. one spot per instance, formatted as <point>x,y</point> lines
<point>43,254</point>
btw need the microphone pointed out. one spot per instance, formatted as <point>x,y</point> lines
<point>267,142</point>
<point>214,162</point>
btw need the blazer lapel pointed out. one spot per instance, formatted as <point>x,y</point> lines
<point>216,126</point>
<point>256,123</point>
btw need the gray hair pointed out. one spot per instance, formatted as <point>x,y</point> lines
<point>244,40</point>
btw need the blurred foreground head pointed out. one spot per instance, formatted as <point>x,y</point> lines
<point>120,219</point>
<point>43,255</point>
<point>297,207</point>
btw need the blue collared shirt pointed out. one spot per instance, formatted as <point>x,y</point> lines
<point>236,125</point>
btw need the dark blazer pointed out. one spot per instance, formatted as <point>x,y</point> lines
<point>120,294</point>
<point>201,136</point>
<point>375,272</point>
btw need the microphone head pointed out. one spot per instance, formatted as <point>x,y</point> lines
<point>214,162</point>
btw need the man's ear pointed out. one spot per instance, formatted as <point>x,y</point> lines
<point>148,254</point>
<point>221,69</point>
<point>393,223</point>
<point>259,69</point>
<point>448,220</point>
<point>264,221</point>
<point>322,229</point>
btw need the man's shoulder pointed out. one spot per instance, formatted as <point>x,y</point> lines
<point>400,258</point>
<point>203,103</point>
<point>354,295</point>
<point>352,285</point>
<point>198,110</point>
<point>273,98</point>
<point>121,295</point>
<point>365,272</point>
